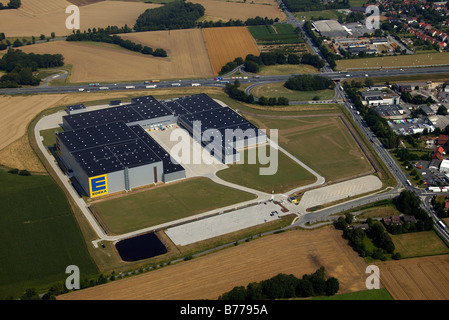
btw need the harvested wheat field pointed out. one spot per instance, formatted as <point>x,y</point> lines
<point>424,278</point>
<point>99,62</point>
<point>226,10</point>
<point>294,252</point>
<point>47,16</point>
<point>227,43</point>
<point>186,49</point>
<point>18,111</point>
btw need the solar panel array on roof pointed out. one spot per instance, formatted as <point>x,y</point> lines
<point>97,117</point>
<point>169,165</point>
<point>107,148</point>
<point>143,108</point>
<point>191,104</point>
<point>230,128</point>
<point>134,154</point>
<point>214,119</point>
<point>99,135</point>
<point>98,160</point>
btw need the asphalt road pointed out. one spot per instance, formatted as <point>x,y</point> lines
<point>219,83</point>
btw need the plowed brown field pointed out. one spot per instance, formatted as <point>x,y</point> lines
<point>424,278</point>
<point>295,252</point>
<point>227,43</point>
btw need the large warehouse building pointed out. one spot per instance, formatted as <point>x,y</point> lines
<point>109,150</point>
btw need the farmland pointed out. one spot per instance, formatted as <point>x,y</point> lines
<point>423,59</point>
<point>279,38</point>
<point>45,17</point>
<point>282,33</point>
<point>225,10</point>
<point>40,236</point>
<point>417,278</point>
<point>295,252</point>
<point>227,43</point>
<point>94,62</point>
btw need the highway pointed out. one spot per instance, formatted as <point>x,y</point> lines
<point>219,83</point>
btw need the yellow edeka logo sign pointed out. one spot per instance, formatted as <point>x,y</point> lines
<point>98,186</point>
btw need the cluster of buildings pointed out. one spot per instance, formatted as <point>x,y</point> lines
<point>110,150</point>
<point>427,33</point>
<point>353,38</point>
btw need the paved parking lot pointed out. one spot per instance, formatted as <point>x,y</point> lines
<point>225,223</point>
<point>339,191</point>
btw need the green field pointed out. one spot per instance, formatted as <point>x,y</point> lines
<point>323,143</point>
<point>278,69</point>
<point>277,89</point>
<point>331,14</point>
<point>166,203</point>
<point>40,236</point>
<point>275,34</point>
<point>418,244</point>
<point>288,176</point>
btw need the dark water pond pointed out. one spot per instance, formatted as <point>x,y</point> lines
<point>140,247</point>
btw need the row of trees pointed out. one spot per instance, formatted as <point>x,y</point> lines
<point>102,36</point>
<point>307,82</point>
<point>257,21</point>
<point>328,55</point>
<point>312,5</point>
<point>285,286</point>
<point>19,67</point>
<point>377,124</point>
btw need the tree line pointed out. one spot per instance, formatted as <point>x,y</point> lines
<point>328,55</point>
<point>377,124</point>
<point>12,4</point>
<point>313,5</point>
<point>283,286</point>
<point>307,82</point>
<point>257,21</point>
<point>19,67</point>
<point>101,36</point>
